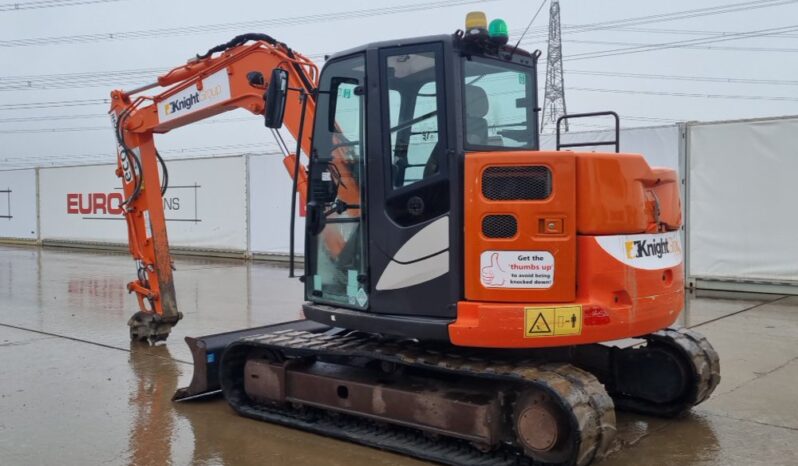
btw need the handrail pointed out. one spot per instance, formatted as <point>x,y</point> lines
<point>616,142</point>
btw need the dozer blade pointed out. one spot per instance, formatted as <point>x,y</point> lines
<point>207,351</point>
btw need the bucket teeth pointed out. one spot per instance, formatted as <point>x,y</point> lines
<point>148,327</point>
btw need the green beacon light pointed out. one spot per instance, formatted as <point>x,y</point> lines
<point>497,31</point>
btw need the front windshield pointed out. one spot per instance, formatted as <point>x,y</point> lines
<point>499,105</point>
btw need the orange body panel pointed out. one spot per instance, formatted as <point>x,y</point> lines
<point>618,301</point>
<point>609,224</point>
<point>620,194</point>
<point>532,217</point>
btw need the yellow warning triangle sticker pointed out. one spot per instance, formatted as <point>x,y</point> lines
<point>540,325</point>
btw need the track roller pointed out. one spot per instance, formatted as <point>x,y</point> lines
<point>675,370</point>
<point>478,411</point>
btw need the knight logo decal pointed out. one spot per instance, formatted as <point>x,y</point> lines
<point>215,89</point>
<point>658,247</point>
<point>649,252</point>
<point>516,269</point>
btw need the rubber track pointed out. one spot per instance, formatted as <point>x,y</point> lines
<point>591,408</point>
<point>703,362</point>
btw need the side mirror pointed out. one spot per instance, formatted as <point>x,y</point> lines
<point>275,99</point>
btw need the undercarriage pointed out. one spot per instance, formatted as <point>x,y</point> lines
<point>449,404</point>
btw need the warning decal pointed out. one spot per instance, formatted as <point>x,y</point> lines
<point>552,321</point>
<point>516,269</point>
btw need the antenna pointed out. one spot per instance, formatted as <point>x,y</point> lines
<point>554,98</point>
<point>527,28</point>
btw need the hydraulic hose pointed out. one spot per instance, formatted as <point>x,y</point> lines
<point>129,154</point>
<point>253,36</point>
<point>137,173</point>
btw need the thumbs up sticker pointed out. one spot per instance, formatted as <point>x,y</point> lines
<point>493,274</point>
<point>516,269</point>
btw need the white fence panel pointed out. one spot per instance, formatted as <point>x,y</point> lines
<point>205,204</point>
<point>18,204</point>
<point>658,144</point>
<point>742,190</point>
<point>270,207</point>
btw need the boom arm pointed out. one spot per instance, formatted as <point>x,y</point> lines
<point>227,77</point>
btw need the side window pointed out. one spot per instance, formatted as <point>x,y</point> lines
<point>413,117</point>
<point>423,137</point>
<point>394,103</point>
<point>346,118</point>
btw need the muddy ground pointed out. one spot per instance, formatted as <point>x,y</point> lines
<point>73,390</point>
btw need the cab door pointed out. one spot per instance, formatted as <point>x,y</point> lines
<point>335,255</point>
<point>410,171</point>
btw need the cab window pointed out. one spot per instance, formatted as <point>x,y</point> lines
<point>499,105</point>
<point>414,117</point>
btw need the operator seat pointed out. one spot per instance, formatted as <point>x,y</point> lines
<point>476,125</point>
<point>476,107</point>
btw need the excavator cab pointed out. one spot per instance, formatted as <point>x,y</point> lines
<point>385,213</point>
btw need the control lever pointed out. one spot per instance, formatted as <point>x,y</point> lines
<point>315,219</point>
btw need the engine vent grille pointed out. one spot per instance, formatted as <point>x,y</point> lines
<point>524,183</point>
<point>499,226</point>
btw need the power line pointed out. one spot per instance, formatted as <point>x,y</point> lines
<point>213,148</point>
<point>99,79</point>
<point>686,94</point>
<point>654,119</point>
<point>712,79</point>
<point>679,15</point>
<point>48,4</point>
<point>53,104</point>
<point>680,44</point>
<point>695,47</point>
<point>114,78</point>
<point>53,118</point>
<point>56,81</point>
<point>691,32</point>
<point>238,26</point>
<point>69,129</point>
<point>257,149</point>
<point>665,17</point>
<point>189,30</point>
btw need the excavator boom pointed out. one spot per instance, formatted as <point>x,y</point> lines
<point>230,76</point>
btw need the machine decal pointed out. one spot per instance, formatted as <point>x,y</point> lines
<point>215,89</point>
<point>432,239</point>
<point>649,252</point>
<point>551,321</point>
<point>362,297</point>
<point>398,275</point>
<point>422,258</point>
<point>516,269</point>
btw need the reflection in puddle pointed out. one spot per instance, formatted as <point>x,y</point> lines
<point>153,427</point>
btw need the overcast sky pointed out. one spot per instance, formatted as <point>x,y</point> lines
<point>65,56</point>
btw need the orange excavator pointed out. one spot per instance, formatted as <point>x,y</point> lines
<point>465,292</point>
